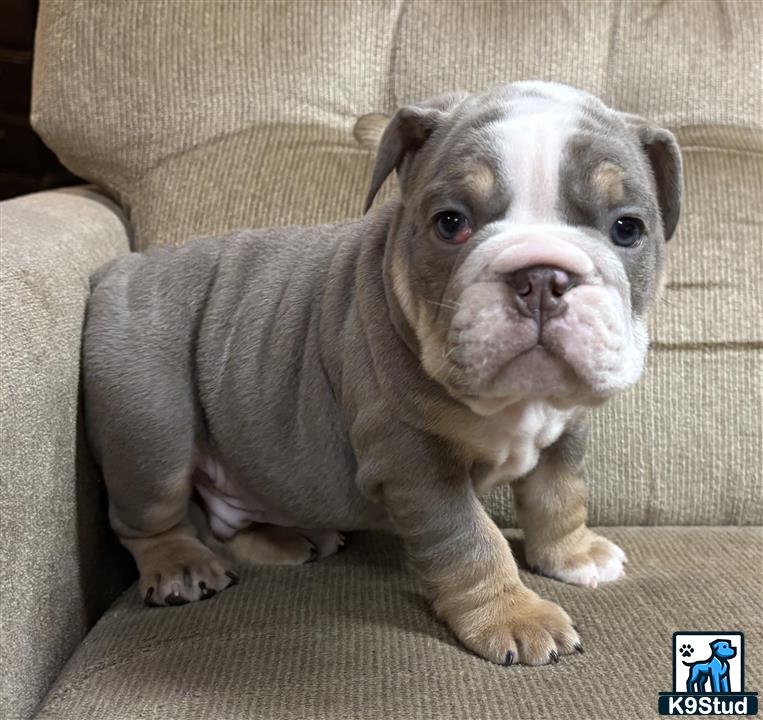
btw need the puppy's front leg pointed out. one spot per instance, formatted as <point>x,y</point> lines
<point>461,555</point>
<point>550,505</point>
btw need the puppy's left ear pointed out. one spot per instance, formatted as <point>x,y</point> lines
<point>405,135</point>
<point>661,148</point>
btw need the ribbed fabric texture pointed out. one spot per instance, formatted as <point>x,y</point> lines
<point>352,637</point>
<point>57,554</point>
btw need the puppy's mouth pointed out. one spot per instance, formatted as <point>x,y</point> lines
<point>533,371</point>
<point>580,349</point>
<point>536,353</point>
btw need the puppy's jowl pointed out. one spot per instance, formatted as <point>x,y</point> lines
<point>250,397</point>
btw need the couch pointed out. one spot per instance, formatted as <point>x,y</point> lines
<point>196,117</point>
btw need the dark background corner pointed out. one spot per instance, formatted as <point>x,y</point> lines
<point>26,165</point>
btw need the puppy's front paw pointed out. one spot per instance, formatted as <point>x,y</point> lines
<point>586,560</point>
<point>517,627</point>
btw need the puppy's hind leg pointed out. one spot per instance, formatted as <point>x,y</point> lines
<point>264,544</point>
<point>175,566</point>
<point>143,418</point>
<point>145,442</point>
<point>271,545</point>
<point>276,545</point>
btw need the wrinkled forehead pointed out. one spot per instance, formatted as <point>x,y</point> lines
<point>540,151</point>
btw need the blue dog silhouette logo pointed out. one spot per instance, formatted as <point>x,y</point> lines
<point>715,670</point>
<point>708,676</point>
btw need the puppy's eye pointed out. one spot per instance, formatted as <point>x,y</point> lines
<point>453,227</point>
<point>627,231</point>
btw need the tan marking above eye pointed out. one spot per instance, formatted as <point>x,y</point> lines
<point>607,180</point>
<point>480,181</point>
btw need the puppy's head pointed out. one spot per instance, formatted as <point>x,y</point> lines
<point>529,243</point>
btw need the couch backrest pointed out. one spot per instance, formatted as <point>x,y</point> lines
<point>202,116</point>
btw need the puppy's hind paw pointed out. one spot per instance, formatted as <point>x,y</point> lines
<point>180,572</point>
<point>327,542</point>
<point>276,545</point>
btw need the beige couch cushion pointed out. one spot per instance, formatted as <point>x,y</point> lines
<point>58,569</point>
<point>204,116</point>
<point>352,637</point>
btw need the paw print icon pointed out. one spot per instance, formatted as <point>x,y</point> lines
<point>686,650</point>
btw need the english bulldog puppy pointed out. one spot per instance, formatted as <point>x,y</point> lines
<point>249,398</point>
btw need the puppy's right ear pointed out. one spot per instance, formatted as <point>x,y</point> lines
<point>406,133</point>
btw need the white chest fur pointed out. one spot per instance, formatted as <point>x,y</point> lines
<point>511,440</point>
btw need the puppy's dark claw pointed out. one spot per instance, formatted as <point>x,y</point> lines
<point>535,570</point>
<point>579,648</point>
<point>175,598</point>
<point>553,656</point>
<point>509,658</point>
<point>206,592</point>
<point>149,599</point>
<point>234,579</point>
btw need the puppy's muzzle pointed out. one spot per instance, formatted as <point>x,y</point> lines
<point>538,291</point>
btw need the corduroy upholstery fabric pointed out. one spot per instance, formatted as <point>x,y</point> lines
<point>352,637</point>
<point>57,556</point>
<point>202,116</point>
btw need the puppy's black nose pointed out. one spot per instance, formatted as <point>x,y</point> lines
<point>539,291</point>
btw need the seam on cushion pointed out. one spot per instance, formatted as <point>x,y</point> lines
<point>699,346</point>
<point>709,285</point>
<point>723,137</point>
<point>721,149</point>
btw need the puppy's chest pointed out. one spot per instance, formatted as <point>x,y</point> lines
<point>507,445</point>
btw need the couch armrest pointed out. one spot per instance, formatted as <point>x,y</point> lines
<point>57,565</point>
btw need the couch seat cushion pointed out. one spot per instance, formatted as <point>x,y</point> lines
<point>352,637</point>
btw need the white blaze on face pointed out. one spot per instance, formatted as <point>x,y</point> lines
<point>533,139</point>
